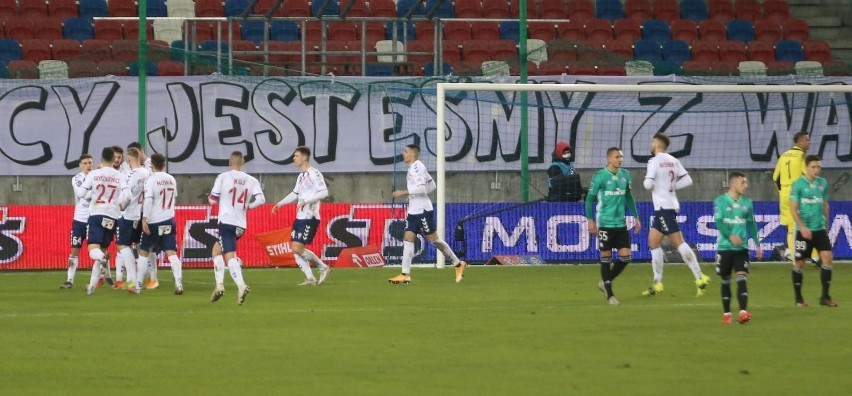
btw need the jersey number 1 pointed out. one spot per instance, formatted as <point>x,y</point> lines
<point>672,177</point>
<point>167,194</point>
<point>239,196</point>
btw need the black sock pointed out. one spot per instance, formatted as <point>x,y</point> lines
<point>618,267</point>
<point>726,295</point>
<point>606,277</point>
<point>797,283</point>
<point>742,292</point>
<point>825,278</point>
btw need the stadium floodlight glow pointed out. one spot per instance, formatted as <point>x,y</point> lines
<point>829,88</point>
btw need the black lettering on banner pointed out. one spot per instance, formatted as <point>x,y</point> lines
<point>834,127</point>
<point>202,233</point>
<point>392,242</point>
<point>180,139</point>
<point>568,100</point>
<point>326,97</point>
<point>384,100</point>
<point>83,117</point>
<point>222,105</point>
<point>670,106</point>
<point>11,247</point>
<point>338,231</point>
<point>458,132</point>
<point>276,144</point>
<point>23,153</point>
<point>765,112</point>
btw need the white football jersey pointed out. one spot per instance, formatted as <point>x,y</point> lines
<point>81,204</point>
<point>125,167</point>
<point>160,197</point>
<point>418,178</point>
<point>134,186</point>
<point>309,184</point>
<point>665,170</point>
<point>104,187</point>
<point>147,165</point>
<point>234,190</point>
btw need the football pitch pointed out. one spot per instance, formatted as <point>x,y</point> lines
<point>504,331</point>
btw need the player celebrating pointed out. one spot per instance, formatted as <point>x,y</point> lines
<point>809,207</point>
<point>610,191</point>
<point>81,217</point>
<point>102,189</point>
<point>158,221</point>
<point>235,192</point>
<point>129,226</point>
<point>734,216</point>
<point>309,191</point>
<point>118,160</point>
<point>791,166</point>
<point>664,177</point>
<point>421,217</point>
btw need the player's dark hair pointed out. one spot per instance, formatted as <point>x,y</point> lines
<point>798,136</point>
<point>663,139</point>
<point>734,175</point>
<point>304,150</point>
<point>135,145</point>
<point>133,152</point>
<point>812,158</point>
<point>108,154</point>
<point>612,149</point>
<point>118,150</point>
<point>413,147</point>
<point>158,161</point>
<point>85,156</point>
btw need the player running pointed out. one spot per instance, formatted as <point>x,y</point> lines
<point>734,216</point>
<point>421,217</point>
<point>81,217</point>
<point>309,191</point>
<point>158,222</point>
<point>664,177</point>
<point>102,187</point>
<point>809,207</point>
<point>129,225</point>
<point>609,193</point>
<point>235,192</point>
<point>790,167</point>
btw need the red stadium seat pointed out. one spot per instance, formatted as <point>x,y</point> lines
<point>456,30</point>
<point>342,31</point>
<point>684,29</point>
<point>836,68</point>
<point>705,51</point>
<point>65,49</point>
<point>721,10</point>
<point>666,9</point>
<point>561,50</point>
<point>504,50</point>
<point>20,29</point>
<point>514,6</point>
<point>451,52</point>
<point>611,70</point>
<point>313,31</point>
<point>374,32</point>
<point>356,46</point>
<point>261,8</point>
<point>581,10</point>
<point>571,30</point>
<point>590,52</point>
<point>747,9</point>
<point>767,30</point>
<point>109,29</point>
<point>214,8</point>
<point>122,8</point>
<point>598,30</point>
<point>620,48</point>
<point>97,50</point>
<point>515,68</point>
<point>628,29</point>
<point>131,31</point>
<point>712,30</point>
<point>244,45</point>
<point>125,50</point>
<point>47,28</point>
<point>358,8</point>
<point>420,46</point>
<point>579,68</point>
<point>32,8</point>
<point>8,8</point>
<point>35,50</point>
<point>467,9</point>
<point>335,62</point>
<point>776,10</point>
<point>202,31</point>
<point>22,69</point>
<point>82,68</point>
<point>732,51</point>
<point>378,8</point>
<point>476,51</point>
<point>542,30</point>
<point>112,68</point>
<point>760,51</point>
<point>552,68</point>
<point>424,30</point>
<point>638,10</point>
<point>697,68</point>
<point>485,30</point>
<point>552,9</point>
<point>779,68</point>
<point>275,46</point>
<point>794,30</point>
<point>170,68</point>
<point>817,50</point>
<point>158,50</point>
<point>63,9</point>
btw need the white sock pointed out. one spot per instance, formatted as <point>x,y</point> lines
<point>97,255</point>
<point>119,267</point>
<point>304,266</point>
<point>219,270</point>
<point>72,267</point>
<point>126,255</point>
<point>141,269</point>
<point>311,257</point>
<point>236,272</point>
<point>407,256</point>
<point>445,249</point>
<point>177,269</point>
<point>689,258</point>
<point>107,269</point>
<point>152,266</point>
<point>657,264</point>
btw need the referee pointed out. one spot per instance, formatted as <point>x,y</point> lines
<point>790,166</point>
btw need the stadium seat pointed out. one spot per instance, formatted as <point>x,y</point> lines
<point>387,49</point>
<point>609,10</point>
<point>420,46</point>
<point>379,70</point>
<point>112,68</point>
<point>789,51</point>
<point>552,9</point>
<point>776,10</point>
<point>705,51</point>
<point>93,8</point>
<point>592,52</point>
<point>817,50</point>
<point>263,6</point>
<point>666,9</point>
<point>8,8</point>
<point>342,31</point>
<point>235,8</point>
<point>151,70</point>
<point>443,9</point>
<point>694,10</point>
<point>47,28</point>
<point>167,29</point>
<point>181,8</point>
<point>335,61</point>
<point>277,46</point>
<point>580,68</point>
<point>476,51</point>
<point>209,8</point>
<point>78,29</point>
<point>358,8</point>
<point>32,8</point>
<point>52,70</point>
<point>721,10</point>
<point>747,9</point>
<point>629,30</point>
<point>510,30</point>
<point>515,8</point>
<point>383,8</point>
<point>332,7</point>
<point>697,68</point>
<point>684,29</point>
<point>22,69</point>
<point>374,32</point>
<point>504,50</point>
<point>836,68</point>
<point>211,46</point>
<point>656,29</point>
<point>794,30</point>
<point>403,31</point>
<point>571,30</point>
<point>808,69</point>
<point>82,68</point>
<point>713,30</point>
<point>131,31</point>
<point>170,68</point>
<point>542,30</point>
<point>96,50</point>
<point>552,68</point>
<point>35,50</point>
<point>598,30</point>
<point>9,50</point>
<point>109,29</point>
<point>620,48</point>
<point>580,10</point>
<point>767,30</point>
<point>495,69</point>
<point>562,51</point>
<point>454,30</point>
<point>410,7</point>
<point>780,68</point>
<point>723,68</point>
<point>245,46</point>
<point>536,52</point>
<point>761,51</point>
<point>451,51</point>
<point>485,31</point>
<point>740,29</point>
<point>125,50</point>
<point>468,9</point>
<point>648,50</point>
<point>201,30</point>
<point>122,8</point>
<point>156,9</point>
<point>638,10</point>
<point>611,70</point>
<point>63,49</point>
<point>20,28</point>
<point>429,68</point>
<point>158,50</point>
<point>282,31</point>
<point>252,30</point>
<point>676,52</point>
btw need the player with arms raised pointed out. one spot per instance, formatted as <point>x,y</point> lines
<point>81,217</point>
<point>309,191</point>
<point>734,216</point>
<point>129,226</point>
<point>609,194</point>
<point>664,177</point>
<point>809,207</point>
<point>235,192</point>
<point>421,217</point>
<point>102,187</point>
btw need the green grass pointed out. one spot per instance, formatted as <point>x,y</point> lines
<point>504,331</point>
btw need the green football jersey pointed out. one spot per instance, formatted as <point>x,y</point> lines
<point>608,195</point>
<point>811,197</point>
<point>734,218</point>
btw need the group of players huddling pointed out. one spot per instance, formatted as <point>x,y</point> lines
<point>135,203</point>
<point>803,197</point>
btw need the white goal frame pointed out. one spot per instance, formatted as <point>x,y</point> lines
<point>443,88</point>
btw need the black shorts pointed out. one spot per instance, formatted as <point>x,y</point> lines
<point>819,241</point>
<point>613,238</point>
<point>78,233</point>
<point>423,223</point>
<point>304,230</point>
<point>728,261</point>
<point>665,221</point>
<point>163,235</point>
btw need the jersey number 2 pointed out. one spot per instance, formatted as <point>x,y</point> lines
<point>102,188</point>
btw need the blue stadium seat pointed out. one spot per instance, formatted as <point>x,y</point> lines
<point>151,69</point>
<point>93,8</point>
<point>78,29</point>
<point>694,10</point>
<point>648,50</point>
<point>379,70</point>
<point>741,30</point>
<point>9,50</point>
<point>210,46</point>
<point>789,51</point>
<point>400,28</point>
<point>429,69</point>
<point>656,29</point>
<point>333,7</point>
<point>676,52</point>
<point>157,8</point>
<point>283,31</point>
<point>510,30</point>
<point>253,30</point>
<point>236,7</point>
<point>609,10</point>
<point>445,9</point>
<point>178,52</point>
<point>402,7</point>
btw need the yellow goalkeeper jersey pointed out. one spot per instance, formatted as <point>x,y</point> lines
<point>791,166</point>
